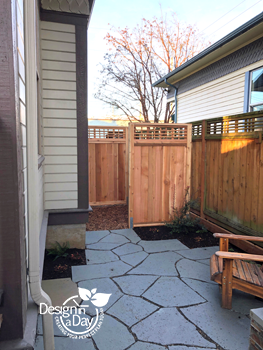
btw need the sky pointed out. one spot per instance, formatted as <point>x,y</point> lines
<point>214,19</point>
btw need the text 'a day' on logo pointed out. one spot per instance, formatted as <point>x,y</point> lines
<point>80,321</point>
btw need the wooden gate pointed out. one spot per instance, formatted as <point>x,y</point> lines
<point>108,165</point>
<point>159,171</point>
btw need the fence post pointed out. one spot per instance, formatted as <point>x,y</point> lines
<point>203,169</point>
<point>131,173</point>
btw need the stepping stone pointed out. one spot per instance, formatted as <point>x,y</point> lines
<point>134,259</point>
<point>114,238</point>
<point>128,233</point>
<point>128,248</point>
<point>170,291</point>
<point>131,310</point>
<point>241,302</point>
<point>146,346</point>
<point>63,343</point>
<point>95,236</point>
<point>103,246</point>
<point>88,272</point>
<point>103,285</point>
<point>205,261</point>
<point>113,335</point>
<point>228,329</point>
<point>162,246</point>
<point>168,326</point>
<point>135,285</point>
<point>158,264</point>
<point>193,269</point>
<point>199,253</point>
<point>187,348</point>
<point>99,257</point>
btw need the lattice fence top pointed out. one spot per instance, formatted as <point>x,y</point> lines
<point>238,125</point>
<point>107,133</point>
<point>146,132</point>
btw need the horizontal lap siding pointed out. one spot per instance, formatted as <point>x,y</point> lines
<point>220,97</point>
<point>58,48</point>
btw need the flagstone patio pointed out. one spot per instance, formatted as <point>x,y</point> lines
<point>161,297</point>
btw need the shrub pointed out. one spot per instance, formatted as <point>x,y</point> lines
<point>58,250</point>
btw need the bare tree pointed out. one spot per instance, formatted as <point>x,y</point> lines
<point>139,57</point>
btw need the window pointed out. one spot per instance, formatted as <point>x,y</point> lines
<point>256,90</point>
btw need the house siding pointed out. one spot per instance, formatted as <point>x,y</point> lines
<point>58,49</point>
<point>220,97</point>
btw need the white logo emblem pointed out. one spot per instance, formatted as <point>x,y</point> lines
<point>73,321</point>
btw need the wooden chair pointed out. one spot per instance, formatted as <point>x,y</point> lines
<point>230,270</point>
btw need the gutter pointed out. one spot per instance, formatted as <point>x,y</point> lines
<point>37,293</point>
<point>175,99</point>
<point>226,39</point>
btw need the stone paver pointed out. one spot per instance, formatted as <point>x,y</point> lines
<point>162,246</point>
<point>158,264</point>
<point>103,246</point>
<point>128,248</point>
<point>128,233</point>
<point>88,272</point>
<point>113,335</point>
<point>135,285</point>
<point>131,310</point>
<point>167,326</point>
<point>199,253</point>
<point>103,285</point>
<point>65,343</point>
<point>194,269</point>
<point>95,236</point>
<point>134,259</point>
<point>186,348</point>
<point>229,329</point>
<point>205,261</point>
<point>171,291</point>
<point>146,346</point>
<point>99,257</point>
<point>114,238</point>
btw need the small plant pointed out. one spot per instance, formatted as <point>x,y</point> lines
<point>181,220</point>
<point>58,250</point>
<point>61,268</point>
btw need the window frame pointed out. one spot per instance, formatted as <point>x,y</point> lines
<point>250,105</point>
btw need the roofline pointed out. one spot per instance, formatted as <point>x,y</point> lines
<point>226,39</point>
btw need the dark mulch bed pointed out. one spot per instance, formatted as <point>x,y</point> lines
<point>108,217</point>
<point>61,267</point>
<point>192,239</point>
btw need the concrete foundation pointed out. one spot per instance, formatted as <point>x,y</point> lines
<point>74,234</point>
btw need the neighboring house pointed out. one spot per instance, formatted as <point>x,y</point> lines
<point>43,145</point>
<point>224,79</point>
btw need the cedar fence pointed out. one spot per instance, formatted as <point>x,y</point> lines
<point>108,165</point>
<point>227,172</point>
<point>159,171</point>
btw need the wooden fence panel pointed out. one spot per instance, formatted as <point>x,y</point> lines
<point>107,165</point>
<point>232,172</point>
<point>159,171</point>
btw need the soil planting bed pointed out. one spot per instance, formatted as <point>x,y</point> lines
<point>192,239</point>
<point>61,267</point>
<point>110,217</point>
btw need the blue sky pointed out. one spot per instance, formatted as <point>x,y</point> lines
<point>206,14</point>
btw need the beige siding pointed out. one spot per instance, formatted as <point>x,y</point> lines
<point>223,96</point>
<point>58,50</point>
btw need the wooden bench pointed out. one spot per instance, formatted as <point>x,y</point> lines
<point>230,270</point>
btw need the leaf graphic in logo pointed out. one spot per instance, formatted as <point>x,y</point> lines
<point>100,299</point>
<point>85,294</point>
<point>93,291</point>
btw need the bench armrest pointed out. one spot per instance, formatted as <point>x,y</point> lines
<point>240,256</point>
<point>238,237</point>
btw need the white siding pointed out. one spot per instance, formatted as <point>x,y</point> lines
<point>221,97</point>
<point>58,48</point>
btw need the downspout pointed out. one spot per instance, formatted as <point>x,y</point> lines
<point>37,294</point>
<point>175,99</point>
